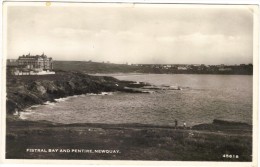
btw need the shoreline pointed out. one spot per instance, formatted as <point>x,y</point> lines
<point>26,91</point>
<point>131,141</point>
<point>31,108</point>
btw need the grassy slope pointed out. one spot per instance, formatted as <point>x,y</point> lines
<point>94,67</point>
<point>135,141</point>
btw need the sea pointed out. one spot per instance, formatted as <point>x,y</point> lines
<point>201,99</point>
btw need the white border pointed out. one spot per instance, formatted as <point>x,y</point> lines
<point>209,2</point>
<point>135,163</point>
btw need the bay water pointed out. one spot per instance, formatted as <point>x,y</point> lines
<point>202,99</point>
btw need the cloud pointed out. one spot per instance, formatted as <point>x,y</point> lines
<point>141,34</point>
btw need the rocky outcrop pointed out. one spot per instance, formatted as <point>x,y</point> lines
<point>223,125</point>
<point>25,91</point>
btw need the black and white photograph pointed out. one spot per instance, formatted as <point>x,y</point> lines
<point>130,81</point>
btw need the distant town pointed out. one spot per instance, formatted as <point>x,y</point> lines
<point>43,65</point>
<point>199,68</point>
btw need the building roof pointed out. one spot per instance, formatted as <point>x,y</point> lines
<point>29,56</point>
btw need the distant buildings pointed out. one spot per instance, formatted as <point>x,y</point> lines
<point>225,69</point>
<point>31,65</point>
<point>41,62</point>
<point>182,68</point>
<point>246,69</point>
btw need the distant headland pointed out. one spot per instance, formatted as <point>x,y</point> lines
<point>98,67</point>
<point>41,65</point>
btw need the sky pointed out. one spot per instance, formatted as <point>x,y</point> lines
<point>139,34</point>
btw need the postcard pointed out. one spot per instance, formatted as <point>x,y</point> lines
<point>130,83</point>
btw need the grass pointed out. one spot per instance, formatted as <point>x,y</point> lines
<point>94,67</point>
<point>134,142</point>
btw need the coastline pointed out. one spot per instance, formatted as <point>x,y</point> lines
<point>98,67</point>
<point>129,141</point>
<point>29,110</point>
<point>26,91</point>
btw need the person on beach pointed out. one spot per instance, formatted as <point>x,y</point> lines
<point>184,125</point>
<point>176,123</point>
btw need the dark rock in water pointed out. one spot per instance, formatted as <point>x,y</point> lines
<point>228,123</point>
<point>222,125</point>
<point>25,91</point>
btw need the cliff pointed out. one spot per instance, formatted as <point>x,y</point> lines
<point>25,91</point>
